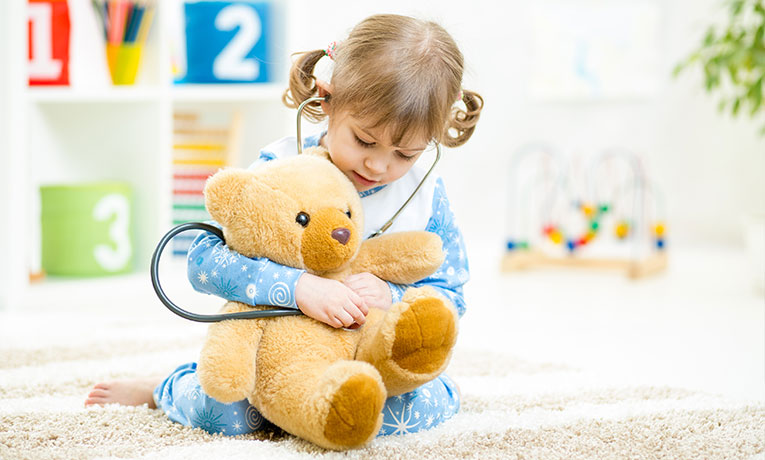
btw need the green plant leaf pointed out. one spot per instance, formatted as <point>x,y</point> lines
<point>759,8</point>
<point>735,54</point>
<point>733,73</point>
<point>736,6</point>
<point>709,38</point>
<point>758,58</point>
<point>756,97</point>
<point>736,106</point>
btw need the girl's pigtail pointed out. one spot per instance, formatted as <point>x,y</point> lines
<point>303,84</point>
<point>462,122</point>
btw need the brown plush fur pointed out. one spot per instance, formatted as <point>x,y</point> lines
<point>323,384</point>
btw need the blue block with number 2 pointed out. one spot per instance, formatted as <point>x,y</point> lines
<point>228,42</point>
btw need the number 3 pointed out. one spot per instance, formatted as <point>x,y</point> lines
<point>232,63</point>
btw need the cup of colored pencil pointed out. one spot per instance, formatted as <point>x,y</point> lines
<point>125,25</point>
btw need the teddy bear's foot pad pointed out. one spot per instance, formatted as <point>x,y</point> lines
<point>425,334</point>
<point>354,412</point>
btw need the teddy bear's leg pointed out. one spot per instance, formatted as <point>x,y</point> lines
<point>226,368</point>
<point>352,396</point>
<point>411,344</point>
<point>335,407</point>
<point>313,389</point>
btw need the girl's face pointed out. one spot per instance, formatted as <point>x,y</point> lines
<point>366,155</point>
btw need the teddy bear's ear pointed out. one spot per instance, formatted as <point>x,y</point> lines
<point>317,151</point>
<point>224,191</point>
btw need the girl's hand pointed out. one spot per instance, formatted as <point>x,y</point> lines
<point>329,301</point>
<point>372,290</point>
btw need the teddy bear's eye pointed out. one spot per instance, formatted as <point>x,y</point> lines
<point>303,219</point>
<point>348,213</point>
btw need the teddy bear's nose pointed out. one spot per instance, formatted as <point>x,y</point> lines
<point>342,235</point>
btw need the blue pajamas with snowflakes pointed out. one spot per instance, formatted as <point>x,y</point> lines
<point>181,397</point>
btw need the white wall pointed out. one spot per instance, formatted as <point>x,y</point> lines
<point>710,167</point>
<point>4,7</point>
<point>12,50</point>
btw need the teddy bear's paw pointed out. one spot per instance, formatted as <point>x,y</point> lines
<point>413,341</point>
<point>355,412</point>
<point>425,334</point>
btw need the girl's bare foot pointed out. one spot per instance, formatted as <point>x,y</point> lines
<point>125,392</point>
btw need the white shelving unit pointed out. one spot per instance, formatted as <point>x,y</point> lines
<point>94,131</point>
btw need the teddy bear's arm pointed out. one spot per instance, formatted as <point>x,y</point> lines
<point>226,367</point>
<point>402,257</point>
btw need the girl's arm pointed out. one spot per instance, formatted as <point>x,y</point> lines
<point>215,269</point>
<point>454,272</point>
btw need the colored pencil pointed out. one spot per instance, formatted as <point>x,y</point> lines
<point>135,21</point>
<point>124,21</point>
<point>143,28</point>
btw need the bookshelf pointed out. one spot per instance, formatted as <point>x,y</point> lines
<point>93,131</point>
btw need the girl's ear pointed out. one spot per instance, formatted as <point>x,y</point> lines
<point>325,90</point>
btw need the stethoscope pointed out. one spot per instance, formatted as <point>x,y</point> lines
<point>254,314</point>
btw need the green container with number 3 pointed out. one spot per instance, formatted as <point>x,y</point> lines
<point>86,229</point>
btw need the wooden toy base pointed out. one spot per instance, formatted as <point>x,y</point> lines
<point>520,260</point>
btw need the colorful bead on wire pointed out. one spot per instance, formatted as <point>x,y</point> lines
<point>330,51</point>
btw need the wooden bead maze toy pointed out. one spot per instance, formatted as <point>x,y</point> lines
<point>609,216</point>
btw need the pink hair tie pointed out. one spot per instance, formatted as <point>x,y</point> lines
<point>330,51</point>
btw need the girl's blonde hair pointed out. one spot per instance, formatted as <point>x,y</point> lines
<point>395,72</point>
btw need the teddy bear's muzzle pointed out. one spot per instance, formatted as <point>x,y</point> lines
<point>329,241</point>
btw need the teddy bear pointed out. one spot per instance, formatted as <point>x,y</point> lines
<point>326,385</point>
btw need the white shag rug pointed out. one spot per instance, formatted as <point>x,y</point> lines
<point>511,409</point>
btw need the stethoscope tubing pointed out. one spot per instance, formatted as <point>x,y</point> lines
<point>201,318</point>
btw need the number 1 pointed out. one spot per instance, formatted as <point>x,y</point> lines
<point>42,65</point>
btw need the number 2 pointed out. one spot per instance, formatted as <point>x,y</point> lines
<point>232,63</point>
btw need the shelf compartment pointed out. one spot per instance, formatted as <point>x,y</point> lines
<point>228,93</point>
<point>67,95</point>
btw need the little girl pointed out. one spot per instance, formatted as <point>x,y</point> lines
<point>395,90</point>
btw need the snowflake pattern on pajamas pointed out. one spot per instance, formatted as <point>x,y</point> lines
<point>223,256</point>
<point>209,421</point>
